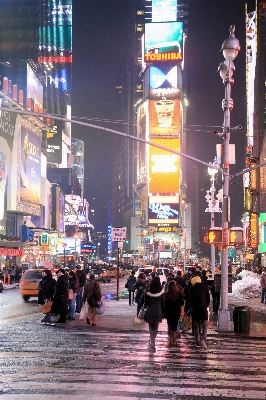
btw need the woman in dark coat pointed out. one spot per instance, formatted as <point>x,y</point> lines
<point>154,304</point>
<point>199,297</point>
<point>140,287</point>
<point>131,280</point>
<point>73,284</point>
<point>173,303</point>
<point>47,291</point>
<point>60,303</point>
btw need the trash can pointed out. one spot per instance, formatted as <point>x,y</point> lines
<point>241,318</point>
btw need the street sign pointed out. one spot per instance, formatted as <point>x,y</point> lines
<point>120,245</point>
<point>231,252</point>
<point>118,234</point>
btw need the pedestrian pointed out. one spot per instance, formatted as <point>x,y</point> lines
<point>155,309</point>
<point>91,288</point>
<point>73,284</point>
<point>199,301</point>
<point>82,282</point>
<point>263,287</point>
<point>60,302</point>
<point>179,279</point>
<point>216,294</point>
<point>173,302</point>
<point>140,287</point>
<point>47,289</point>
<point>154,273</point>
<point>131,280</point>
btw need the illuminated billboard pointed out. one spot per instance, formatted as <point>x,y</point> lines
<point>34,87</point>
<point>164,117</point>
<point>54,143</point>
<point>163,210</point>
<point>68,245</point>
<point>163,42</point>
<point>164,10</point>
<point>7,129</point>
<point>164,167</point>
<point>251,49</point>
<point>141,146</point>
<point>164,82</point>
<point>30,168</point>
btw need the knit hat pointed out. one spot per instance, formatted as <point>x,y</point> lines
<point>196,279</point>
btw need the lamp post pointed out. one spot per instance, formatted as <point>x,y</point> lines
<point>230,49</point>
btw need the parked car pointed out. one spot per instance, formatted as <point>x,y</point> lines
<point>29,282</point>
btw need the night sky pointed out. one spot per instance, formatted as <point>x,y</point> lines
<point>100,32</point>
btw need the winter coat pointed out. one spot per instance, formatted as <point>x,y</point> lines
<point>180,281</point>
<point>60,302</point>
<point>263,281</point>
<point>199,298</point>
<point>173,309</point>
<point>89,288</point>
<point>81,277</point>
<point>131,280</point>
<point>155,309</point>
<point>73,283</point>
<point>140,287</point>
<point>48,285</point>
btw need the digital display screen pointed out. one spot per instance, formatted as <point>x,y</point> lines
<point>163,42</point>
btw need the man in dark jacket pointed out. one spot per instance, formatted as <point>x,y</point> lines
<point>47,291</point>
<point>60,303</point>
<point>88,292</point>
<point>82,282</point>
<point>199,298</point>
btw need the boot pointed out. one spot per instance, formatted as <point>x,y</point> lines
<point>170,338</point>
<point>171,341</point>
<point>174,339</point>
<point>152,345</point>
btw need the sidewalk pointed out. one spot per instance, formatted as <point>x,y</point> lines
<point>120,317</point>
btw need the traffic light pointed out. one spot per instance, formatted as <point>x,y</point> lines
<point>215,236</point>
<point>236,236</point>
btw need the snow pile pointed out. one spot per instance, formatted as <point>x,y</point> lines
<point>247,287</point>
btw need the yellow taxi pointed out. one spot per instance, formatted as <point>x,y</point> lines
<point>29,282</point>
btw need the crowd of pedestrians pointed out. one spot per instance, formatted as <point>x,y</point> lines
<point>178,297</point>
<point>68,292</point>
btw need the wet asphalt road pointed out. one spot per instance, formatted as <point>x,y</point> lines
<point>51,362</point>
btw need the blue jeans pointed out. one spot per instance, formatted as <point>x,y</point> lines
<point>200,330</point>
<point>72,306</point>
<point>263,291</point>
<point>79,302</point>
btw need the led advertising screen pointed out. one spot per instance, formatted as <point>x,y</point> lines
<point>163,42</point>
<point>163,211</point>
<point>164,167</point>
<point>164,10</point>
<point>164,82</point>
<point>34,87</point>
<point>7,128</point>
<point>54,143</point>
<point>164,116</point>
<point>68,245</point>
<point>30,168</point>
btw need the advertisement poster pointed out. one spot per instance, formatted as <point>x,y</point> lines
<point>7,129</point>
<point>163,42</point>
<point>30,168</point>
<point>164,10</point>
<point>164,117</point>
<point>164,167</point>
<point>163,212</point>
<point>165,82</point>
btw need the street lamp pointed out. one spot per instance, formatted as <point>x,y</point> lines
<point>230,48</point>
